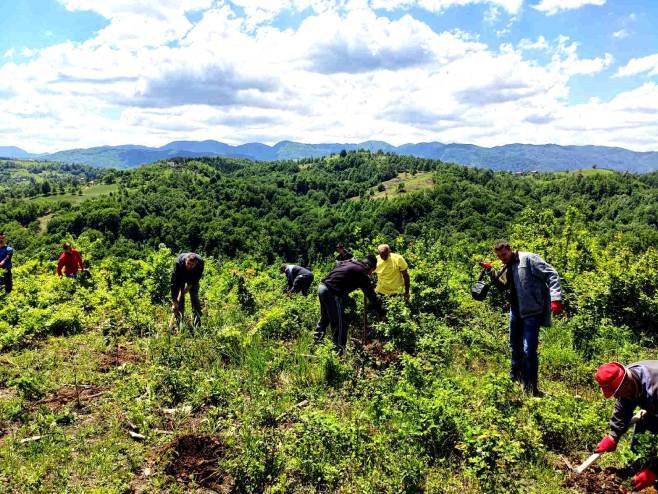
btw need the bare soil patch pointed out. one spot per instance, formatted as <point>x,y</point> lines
<point>119,356</point>
<point>72,394</point>
<point>601,481</point>
<point>376,351</point>
<point>194,458</point>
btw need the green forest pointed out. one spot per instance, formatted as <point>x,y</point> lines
<point>99,394</point>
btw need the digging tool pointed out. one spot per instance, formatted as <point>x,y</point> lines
<point>594,457</point>
<point>365,321</point>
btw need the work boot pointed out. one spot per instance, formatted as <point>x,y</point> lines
<point>534,391</point>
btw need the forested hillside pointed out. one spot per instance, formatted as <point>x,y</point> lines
<point>97,394</point>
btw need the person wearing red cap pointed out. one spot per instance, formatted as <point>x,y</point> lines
<point>634,386</point>
<point>534,293</point>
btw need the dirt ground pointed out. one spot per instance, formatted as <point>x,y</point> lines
<point>194,458</point>
<point>117,357</point>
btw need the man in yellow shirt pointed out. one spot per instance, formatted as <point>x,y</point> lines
<point>392,274</point>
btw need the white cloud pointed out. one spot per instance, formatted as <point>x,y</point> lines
<point>344,74</point>
<point>552,7</point>
<point>566,60</point>
<point>621,34</point>
<point>511,6</point>
<point>639,65</point>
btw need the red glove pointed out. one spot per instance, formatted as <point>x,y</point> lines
<point>643,479</point>
<point>486,265</point>
<point>607,445</point>
<point>556,307</point>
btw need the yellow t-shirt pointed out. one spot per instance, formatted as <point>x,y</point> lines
<point>389,274</point>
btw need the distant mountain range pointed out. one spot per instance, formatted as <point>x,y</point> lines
<point>512,157</point>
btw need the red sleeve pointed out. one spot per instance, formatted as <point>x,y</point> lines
<point>78,260</point>
<point>60,264</point>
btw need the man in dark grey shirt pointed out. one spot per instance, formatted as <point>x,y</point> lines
<point>185,277</point>
<point>333,292</point>
<point>299,278</point>
<point>634,386</point>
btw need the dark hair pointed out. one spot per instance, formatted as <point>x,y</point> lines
<point>282,268</point>
<point>66,246</point>
<point>503,244</point>
<point>340,245</point>
<point>370,261</point>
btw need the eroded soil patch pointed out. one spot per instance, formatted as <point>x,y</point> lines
<point>194,458</point>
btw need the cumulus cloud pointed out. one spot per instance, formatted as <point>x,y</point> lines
<point>637,66</point>
<point>511,6</point>
<point>344,73</point>
<point>363,42</point>
<point>552,7</point>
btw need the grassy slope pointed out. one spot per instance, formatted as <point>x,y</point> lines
<point>420,181</point>
<point>264,389</point>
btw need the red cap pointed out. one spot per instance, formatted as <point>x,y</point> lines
<point>610,376</point>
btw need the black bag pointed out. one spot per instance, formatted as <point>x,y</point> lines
<point>480,290</point>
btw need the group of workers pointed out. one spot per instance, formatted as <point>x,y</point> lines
<point>534,295</point>
<point>69,263</point>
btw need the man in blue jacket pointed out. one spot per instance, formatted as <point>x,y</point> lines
<point>6,254</point>
<point>534,293</point>
<point>185,278</point>
<point>634,386</point>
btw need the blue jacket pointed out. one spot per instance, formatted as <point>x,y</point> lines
<point>5,252</point>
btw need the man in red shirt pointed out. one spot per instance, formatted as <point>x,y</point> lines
<point>70,261</point>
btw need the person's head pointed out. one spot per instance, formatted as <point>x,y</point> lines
<point>190,262</point>
<point>282,268</point>
<point>371,263</point>
<point>615,380</point>
<point>504,252</point>
<point>340,248</point>
<point>384,251</point>
<point>67,247</point>
<point>3,239</point>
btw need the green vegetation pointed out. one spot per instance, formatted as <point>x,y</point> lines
<point>96,394</point>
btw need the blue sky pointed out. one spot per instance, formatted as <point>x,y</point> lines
<point>79,73</point>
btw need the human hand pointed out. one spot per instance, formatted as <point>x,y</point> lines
<point>643,479</point>
<point>557,307</point>
<point>174,307</point>
<point>607,445</point>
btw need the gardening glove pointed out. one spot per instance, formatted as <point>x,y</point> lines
<point>643,479</point>
<point>607,445</point>
<point>486,265</point>
<point>556,307</point>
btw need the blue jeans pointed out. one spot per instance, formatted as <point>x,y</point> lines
<point>332,310</point>
<point>523,340</point>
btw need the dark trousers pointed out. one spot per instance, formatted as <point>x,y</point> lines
<point>196,305</point>
<point>332,311</point>
<point>523,340</point>
<point>301,284</point>
<point>7,280</point>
